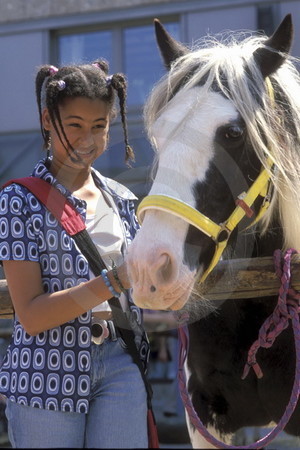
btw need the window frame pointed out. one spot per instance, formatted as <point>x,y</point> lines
<point>136,178</point>
<point>117,63</point>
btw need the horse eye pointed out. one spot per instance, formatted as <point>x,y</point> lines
<point>234,132</point>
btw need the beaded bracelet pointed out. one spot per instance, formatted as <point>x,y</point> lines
<point>116,277</point>
<point>108,283</point>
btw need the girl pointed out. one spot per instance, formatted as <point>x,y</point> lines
<point>67,376</point>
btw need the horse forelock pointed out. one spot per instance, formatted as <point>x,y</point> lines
<point>273,128</point>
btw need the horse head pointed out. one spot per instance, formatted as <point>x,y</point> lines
<point>215,120</point>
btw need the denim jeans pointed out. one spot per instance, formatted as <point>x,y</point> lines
<point>117,417</point>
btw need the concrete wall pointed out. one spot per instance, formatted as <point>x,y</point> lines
<point>242,17</point>
<point>25,27</point>
<point>15,10</point>
<point>206,22</point>
<point>21,54</point>
<point>290,7</point>
<point>24,10</point>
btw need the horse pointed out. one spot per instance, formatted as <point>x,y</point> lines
<point>224,122</point>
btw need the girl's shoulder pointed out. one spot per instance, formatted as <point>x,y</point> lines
<point>120,190</point>
<point>115,187</point>
<point>13,193</point>
<point>17,199</point>
<point>14,189</point>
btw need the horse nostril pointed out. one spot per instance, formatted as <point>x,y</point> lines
<point>165,268</point>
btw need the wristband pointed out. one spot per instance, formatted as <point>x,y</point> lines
<point>108,283</point>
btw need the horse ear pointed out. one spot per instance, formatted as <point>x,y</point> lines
<point>273,54</point>
<point>169,48</point>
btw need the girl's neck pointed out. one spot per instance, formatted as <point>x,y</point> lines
<point>72,179</point>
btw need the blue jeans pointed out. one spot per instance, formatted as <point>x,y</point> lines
<point>117,417</point>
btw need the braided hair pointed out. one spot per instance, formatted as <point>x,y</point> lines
<point>54,85</point>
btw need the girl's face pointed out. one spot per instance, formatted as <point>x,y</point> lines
<point>86,124</point>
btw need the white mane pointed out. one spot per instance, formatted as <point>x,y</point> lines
<point>223,62</point>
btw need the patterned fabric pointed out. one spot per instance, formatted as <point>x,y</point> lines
<point>52,370</point>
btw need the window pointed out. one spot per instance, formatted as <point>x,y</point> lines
<point>266,18</point>
<point>133,51</point>
<point>84,47</point>
<point>139,60</point>
<point>142,62</point>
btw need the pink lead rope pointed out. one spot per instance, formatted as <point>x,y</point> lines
<point>287,308</point>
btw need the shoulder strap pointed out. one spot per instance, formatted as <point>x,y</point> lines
<point>54,201</point>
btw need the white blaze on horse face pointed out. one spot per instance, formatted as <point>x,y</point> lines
<point>184,135</point>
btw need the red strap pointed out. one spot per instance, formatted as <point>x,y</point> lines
<point>153,440</point>
<point>248,211</point>
<point>54,201</point>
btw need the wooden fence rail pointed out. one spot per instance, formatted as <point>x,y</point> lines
<point>247,278</point>
<point>237,278</point>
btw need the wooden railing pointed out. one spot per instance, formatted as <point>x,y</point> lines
<point>237,278</point>
<point>6,307</point>
<point>247,278</point>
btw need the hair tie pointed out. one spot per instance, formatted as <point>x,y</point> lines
<point>108,80</point>
<point>61,84</point>
<point>53,70</point>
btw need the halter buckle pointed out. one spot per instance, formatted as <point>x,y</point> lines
<point>223,234</point>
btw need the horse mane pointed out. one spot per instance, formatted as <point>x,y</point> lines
<point>227,63</point>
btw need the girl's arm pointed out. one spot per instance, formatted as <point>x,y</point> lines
<point>38,311</point>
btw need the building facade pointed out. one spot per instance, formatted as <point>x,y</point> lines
<point>36,32</point>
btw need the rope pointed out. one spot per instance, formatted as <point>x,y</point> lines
<point>286,308</point>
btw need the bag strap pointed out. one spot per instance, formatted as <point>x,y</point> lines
<point>73,224</point>
<point>54,201</point>
<point>97,265</point>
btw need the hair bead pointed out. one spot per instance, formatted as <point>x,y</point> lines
<point>53,70</point>
<point>61,84</point>
<point>108,80</point>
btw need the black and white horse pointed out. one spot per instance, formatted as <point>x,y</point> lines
<point>225,118</point>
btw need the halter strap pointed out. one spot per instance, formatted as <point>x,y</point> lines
<point>180,209</point>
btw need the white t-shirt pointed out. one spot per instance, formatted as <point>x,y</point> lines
<point>106,231</point>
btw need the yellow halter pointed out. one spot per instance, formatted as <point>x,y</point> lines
<point>219,233</point>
